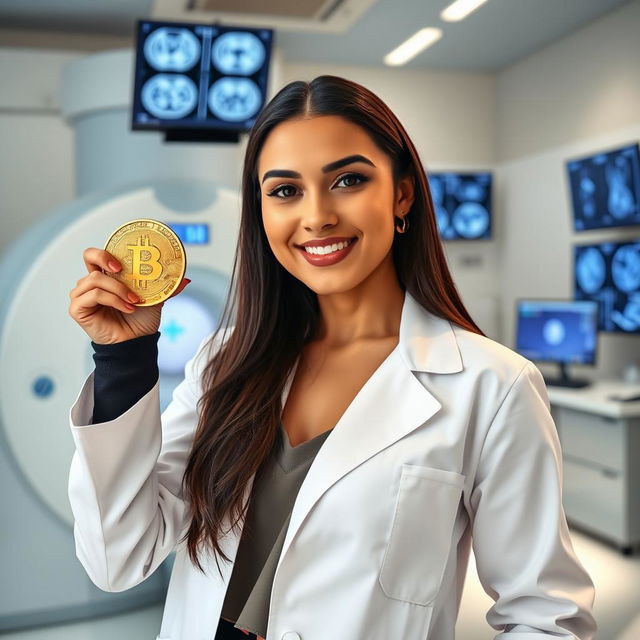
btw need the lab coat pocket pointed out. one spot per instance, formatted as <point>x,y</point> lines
<point>416,555</point>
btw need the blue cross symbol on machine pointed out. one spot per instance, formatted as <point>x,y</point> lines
<point>173,330</point>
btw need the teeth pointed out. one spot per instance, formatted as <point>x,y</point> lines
<point>321,251</point>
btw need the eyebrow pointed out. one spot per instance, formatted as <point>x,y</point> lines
<point>332,166</point>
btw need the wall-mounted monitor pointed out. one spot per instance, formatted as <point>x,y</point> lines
<point>462,204</point>
<point>605,188</point>
<point>199,77</point>
<point>609,273</point>
<point>560,331</point>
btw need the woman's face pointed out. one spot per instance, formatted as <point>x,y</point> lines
<point>308,193</point>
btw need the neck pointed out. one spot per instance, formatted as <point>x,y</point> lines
<point>370,311</point>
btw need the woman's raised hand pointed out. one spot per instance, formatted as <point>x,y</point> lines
<point>103,307</point>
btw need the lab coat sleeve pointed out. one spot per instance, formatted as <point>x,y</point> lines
<point>125,481</point>
<point>522,547</point>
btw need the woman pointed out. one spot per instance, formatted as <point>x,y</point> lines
<point>344,443</point>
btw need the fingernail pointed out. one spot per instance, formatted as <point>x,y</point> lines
<point>113,266</point>
<point>133,297</point>
<point>188,280</point>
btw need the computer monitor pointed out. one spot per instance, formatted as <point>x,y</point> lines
<point>605,188</point>
<point>463,204</point>
<point>560,331</point>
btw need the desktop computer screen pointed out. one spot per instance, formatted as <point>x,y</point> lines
<point>561,331</point>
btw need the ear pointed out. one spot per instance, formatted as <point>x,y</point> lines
<point>405,193</point>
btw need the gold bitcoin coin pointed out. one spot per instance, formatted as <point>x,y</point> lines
<point>153,259</point>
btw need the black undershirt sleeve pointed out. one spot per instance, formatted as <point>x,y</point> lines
<point>124,373</point>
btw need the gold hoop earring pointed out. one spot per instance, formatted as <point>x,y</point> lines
<point>405,225</point>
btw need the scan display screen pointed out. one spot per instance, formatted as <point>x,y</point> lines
<point>462,204</point>
<point>199,76</point>
<point>605,189</point>
<point>557,330</point>
<point>609,273</point>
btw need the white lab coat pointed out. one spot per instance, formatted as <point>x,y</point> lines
<point>449,443</point>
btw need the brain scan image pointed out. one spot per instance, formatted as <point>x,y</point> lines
<point>591,270</point>
<point>554,331</point>
<point>462,204</point>
<point>621,201</point>
<point>169,96</point>
<point>625,268</point>
<point>629,318</point>
<point>234,99</point>
<point>172,49</point>
<point>605,189</point>
<point>238,53</point>
<point>609,273</point>
<point>470,220</point>
<point>469,190</point>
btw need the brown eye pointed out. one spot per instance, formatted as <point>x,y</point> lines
<point>350,176</point>
<point>278,190</point>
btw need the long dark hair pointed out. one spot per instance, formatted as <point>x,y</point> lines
<point>276,314</point>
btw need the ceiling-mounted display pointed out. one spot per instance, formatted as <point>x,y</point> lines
<point>199,76</point>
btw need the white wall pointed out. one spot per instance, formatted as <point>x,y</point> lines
<point>577,96</point>
<point>36,154</point>
<point>451,117</point>
<point>584,85</point>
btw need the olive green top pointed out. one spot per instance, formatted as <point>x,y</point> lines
<point>274,491</point>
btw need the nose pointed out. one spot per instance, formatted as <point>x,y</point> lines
<point>318,212</point>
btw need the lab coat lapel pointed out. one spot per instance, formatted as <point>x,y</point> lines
<point>391,404</point>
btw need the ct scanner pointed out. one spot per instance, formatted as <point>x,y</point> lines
<point>45,355</point>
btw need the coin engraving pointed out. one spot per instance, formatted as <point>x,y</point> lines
<point>152,256</point>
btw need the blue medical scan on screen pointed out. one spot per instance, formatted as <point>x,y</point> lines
<point>462,203</point>
<point>605,189</point>
<point>609,273</point>
<point>199,75</point>
<point>557,330</point>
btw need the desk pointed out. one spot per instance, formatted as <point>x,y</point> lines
<point>600,441</point>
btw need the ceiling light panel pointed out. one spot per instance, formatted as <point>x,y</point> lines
<point>414,45</point>
<point>460,9</point>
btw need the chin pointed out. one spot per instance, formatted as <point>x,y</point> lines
<point>333,285</point>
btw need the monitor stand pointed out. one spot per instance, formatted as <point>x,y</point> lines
<point>564,380</point>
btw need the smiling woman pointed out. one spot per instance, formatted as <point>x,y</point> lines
<point>331,185</point>
<point>347,440</point>
<point>340,203</point>
<point>338,235</point>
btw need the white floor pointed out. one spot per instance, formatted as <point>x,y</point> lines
<point>616,607</point>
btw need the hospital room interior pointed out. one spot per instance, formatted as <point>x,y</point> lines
<point>526,116</point>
